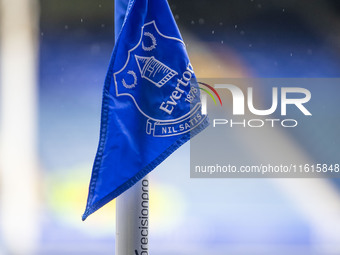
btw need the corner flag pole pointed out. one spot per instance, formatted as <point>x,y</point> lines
<point>132,207</point>
<point>132,220</point>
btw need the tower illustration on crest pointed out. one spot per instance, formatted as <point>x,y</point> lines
<point>154,71</point>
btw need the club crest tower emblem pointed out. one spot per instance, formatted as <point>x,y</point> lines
<point>161,83</point>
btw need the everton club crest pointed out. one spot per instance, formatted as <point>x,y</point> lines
<point>161,83</point>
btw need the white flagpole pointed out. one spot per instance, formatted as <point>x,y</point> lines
<point>18,118</point>
<point>132,207</point>
<point>132,220</point>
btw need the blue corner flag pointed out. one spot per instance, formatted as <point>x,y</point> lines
<point>150,104</point>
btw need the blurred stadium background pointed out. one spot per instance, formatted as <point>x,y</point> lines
<point>230,38</point>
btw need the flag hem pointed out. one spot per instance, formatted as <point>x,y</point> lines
<point>128,184</point>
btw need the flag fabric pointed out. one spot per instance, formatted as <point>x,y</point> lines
<point>151,104</point>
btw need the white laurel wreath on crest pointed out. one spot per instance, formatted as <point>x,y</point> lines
<point>154,42</point>
<point>130,86</point>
